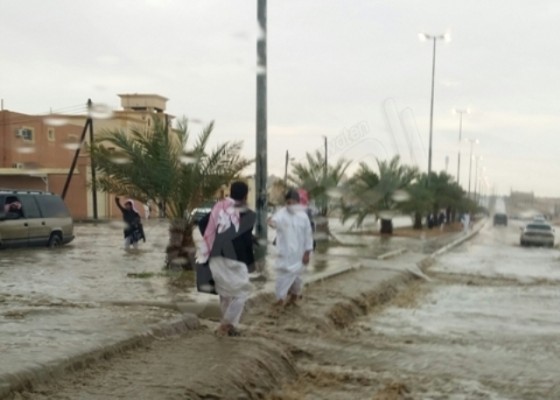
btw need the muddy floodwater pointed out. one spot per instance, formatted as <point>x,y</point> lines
<point>481,324</point>
<point>91,293</point>
<point>484,327</point>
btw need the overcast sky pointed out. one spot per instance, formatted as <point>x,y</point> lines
<point>353,70</point>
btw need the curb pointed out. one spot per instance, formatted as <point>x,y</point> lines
<point>25,378</point>
<point>201,308</point>
<point>392,254</point>
<point>429,261</point>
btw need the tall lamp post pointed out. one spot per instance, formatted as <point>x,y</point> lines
<point>434,38</point>
<point>460,112</point>
<point>286,164</point>
<point>477,159</point>
<point>325,173</point>
<point>472,142</point>
<point>261,173</point>
<point>478,187</point>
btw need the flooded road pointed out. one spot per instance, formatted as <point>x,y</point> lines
<point>54,304</point>
<point>484,327</point>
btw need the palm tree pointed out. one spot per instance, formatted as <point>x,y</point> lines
<point>360,197</point>
<point>393,178</point>
<point>419,202</point>
<point>154,164</point>
<point>447,194</point>
<point>320,180</point>
<point>439,192</point>
<point>378,194</point>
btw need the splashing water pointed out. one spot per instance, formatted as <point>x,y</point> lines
<point>115,224</point>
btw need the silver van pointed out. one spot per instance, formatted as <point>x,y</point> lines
<point>33,218</point>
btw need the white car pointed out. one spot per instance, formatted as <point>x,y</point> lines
<point>537,234</point>
<point>199,212</point>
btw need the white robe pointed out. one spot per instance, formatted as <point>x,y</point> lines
<point>294,238</point>
<point>231,278</point>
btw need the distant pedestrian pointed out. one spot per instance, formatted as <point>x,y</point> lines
<point>294,241</point>
<point>466,221</point>
<point>228,247</point>
<point>147,209</point>
<point>441,220</point>
<point>133,231</point>
<point>431,221</point>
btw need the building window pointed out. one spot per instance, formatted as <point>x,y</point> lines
<point>26,134</point>
<point>50,134</point>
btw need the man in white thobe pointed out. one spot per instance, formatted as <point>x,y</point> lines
<point>466,220</point>
<point>294,242</point>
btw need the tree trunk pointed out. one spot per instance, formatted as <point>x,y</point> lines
<point>417,221</point>
<point>386,227</point>
<point>321,231</point>
<point>181,250</point>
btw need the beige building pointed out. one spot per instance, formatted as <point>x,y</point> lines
<point>37,150</point>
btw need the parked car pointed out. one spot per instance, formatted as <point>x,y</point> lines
<point>500,219</point>
<point>201,211</point>
<point>33,218</point>
<point>537,234</point>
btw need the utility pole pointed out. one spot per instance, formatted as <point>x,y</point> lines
<point>472,142</point>
<point>261,177</point>
<point>325,174</point>
<point>77,153</point>
<point>92,164</point>
<point>477,158</point>
<point>434,38</point>
<point>432,109</point>
<point>286,168</point>
<point>460,112</point>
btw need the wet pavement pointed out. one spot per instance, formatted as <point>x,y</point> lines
<point>54,304</point>
<point>484,327</point>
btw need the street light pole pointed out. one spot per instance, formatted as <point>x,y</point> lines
<point>472,141</point>
<point>434,38</point>
<point>476,183</point>
<point>432,109</point>
<point>325,173</point>
<point>261,174</point>
<point>286,168</point>
<point>460,112</point>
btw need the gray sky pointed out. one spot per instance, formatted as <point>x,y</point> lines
<point>347,69</point>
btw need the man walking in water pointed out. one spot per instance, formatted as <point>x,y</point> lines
<point>228,246</point>
<point>294,241</point>
<point>133,231</point>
